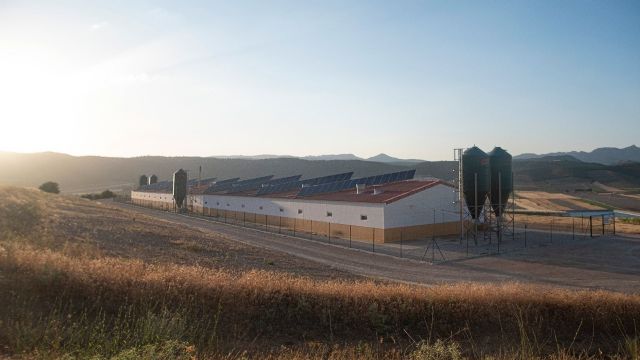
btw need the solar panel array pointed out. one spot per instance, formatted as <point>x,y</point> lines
<point>194,182</point>
<point>221,185</point>
<point>249,184</point>
<point>283,180</point>
<point>267,185</point>
<point>258,183</point>
<point>350,184</point>
<point>288,186</point>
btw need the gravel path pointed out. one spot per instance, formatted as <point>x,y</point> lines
<point>611,263</point>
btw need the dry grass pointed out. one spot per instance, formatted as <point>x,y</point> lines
<point>577,224</point>
<point>76,300</point>
<point>546,201</point>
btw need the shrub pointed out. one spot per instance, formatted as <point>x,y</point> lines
<point>440,350</point>
<point>633,221</point>
<point>19,218</point>
<point>50,187</point>
<point>107,194</point>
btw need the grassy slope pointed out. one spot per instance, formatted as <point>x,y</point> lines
<point>82,279</point>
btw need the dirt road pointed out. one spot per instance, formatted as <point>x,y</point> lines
<point>603,263</point>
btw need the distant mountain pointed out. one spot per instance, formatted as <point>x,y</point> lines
<point>384,158</point>
<point>252,157</point>
<point>93,173</point>
<point>332,157</point>
<point>605,155</point>
<point>565,172</point>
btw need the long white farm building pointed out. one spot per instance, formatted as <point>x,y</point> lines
<point>383,208</point>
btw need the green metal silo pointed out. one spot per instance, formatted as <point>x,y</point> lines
<point>180,187</point>
<point>143,180</point>
<point>476,179</point>
<point>500,163</point>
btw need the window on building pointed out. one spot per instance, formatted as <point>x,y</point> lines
<point>218,203</point>
<point>260,207</point>
<point>205,202</point>
<point>329,214</point>
<point>281,210</point>
<point>228,204</point>
<point>363,217</point>
<point>243,205</point>
<point>299,211</point>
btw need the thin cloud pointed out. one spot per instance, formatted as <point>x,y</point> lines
<point>99,25</point>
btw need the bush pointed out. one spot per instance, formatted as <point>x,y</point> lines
<point>50,187</point>
<point>633,221</point>
<point>19,217</point>
<point>107,194</point>
<point>439,351</point>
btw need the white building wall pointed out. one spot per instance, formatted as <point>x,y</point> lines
<point>149,196</point>
<point>417,209</point>
<point>341,212</point>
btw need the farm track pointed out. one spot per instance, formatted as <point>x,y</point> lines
<point>606,263</point>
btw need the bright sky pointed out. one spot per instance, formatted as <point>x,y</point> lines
<point>409,78</point>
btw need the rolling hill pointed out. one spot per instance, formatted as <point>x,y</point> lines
<point>93,173</point>
<point>604,156</point>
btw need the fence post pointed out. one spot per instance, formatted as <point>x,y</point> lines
<point>373,239</point>
<point>349,236</point>
<point>280,225</point>
<point>573,228</point>
<point>525,235</point>
<point>590,226</point>
<point>614,223</point>
<point>602,224</point>
<point>551,230</point>
<point>329,233</point>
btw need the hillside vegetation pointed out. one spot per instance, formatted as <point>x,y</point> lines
<point>95,174</point>
<point>82,279</point>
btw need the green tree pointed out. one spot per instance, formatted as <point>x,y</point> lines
<point>50,187</point>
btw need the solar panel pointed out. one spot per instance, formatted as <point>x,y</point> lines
<point>249,184</point>
<point>283,180</point>
<point>288,186</point>
<point>221,185</point>
<point>193,182</point>
<point>328,179</point>
<point>350,184</point>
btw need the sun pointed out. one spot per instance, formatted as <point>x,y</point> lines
<point>38,99</point>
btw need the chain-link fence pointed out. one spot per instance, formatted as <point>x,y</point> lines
<point>518,233</point>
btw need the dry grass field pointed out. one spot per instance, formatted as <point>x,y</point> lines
<point>546,201</point>
<point>82,280</point>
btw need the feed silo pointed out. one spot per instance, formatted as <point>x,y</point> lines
<point>179,187</point>
<point>153,179</point>
<point>143,180</point>
<point>500,163</point>
<point>476,179</point>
